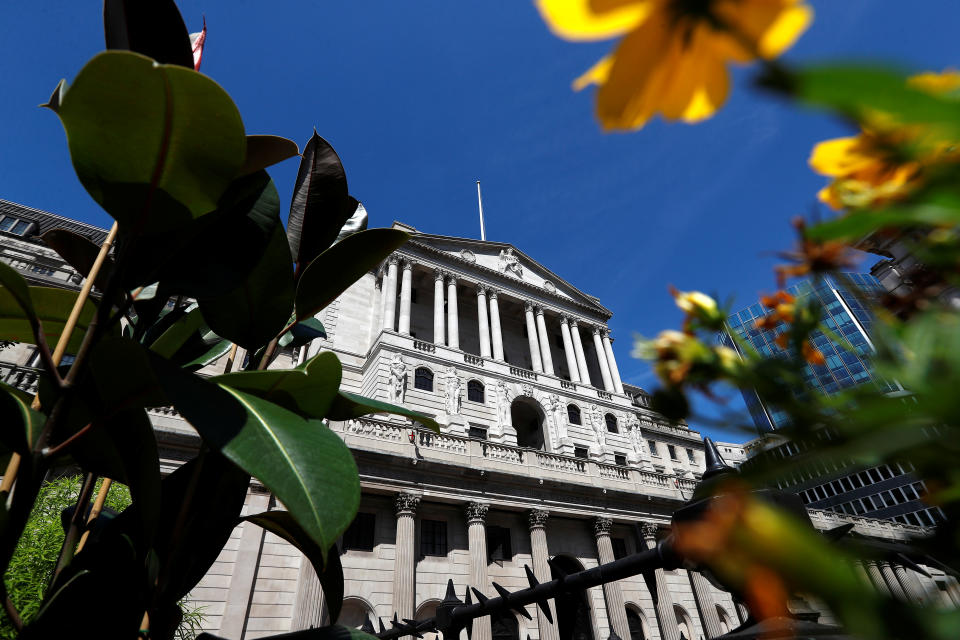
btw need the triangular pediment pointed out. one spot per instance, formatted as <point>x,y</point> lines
<point>507,262</point>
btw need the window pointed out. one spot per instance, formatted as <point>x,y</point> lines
<point>673,452</point>
<point>14,225</point>
<point>498,544</point>
<point>359,535</point>
<point>475,391</point>
<point>653,448</point>
<point>478,432</point>
<point>620,459</point>
<point>690,456</point>
<point>433,538</point>
<point>573,414</point>
<point>423,379</point>
<point>619,548</point>
<point>580,452</point>
<point>611,423</point>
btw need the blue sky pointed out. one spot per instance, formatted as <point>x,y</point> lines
<point>421,98</point>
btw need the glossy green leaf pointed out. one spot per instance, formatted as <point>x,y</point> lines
<point>19,424</point>
<point>155,144</point>
<point>330,573</point>
<point>264,151</point>
<point>154,28</point>
<point>320,204</point>
<point>941,207</point>
<point>51,308</point>
<point>347,406</point>
<point>211,355</point>
<point>334,270</point>
<point>303,333</point>
<point>307,390</point>
<point>79,252</point>
<point>17,290</point>
<point>178,333</point>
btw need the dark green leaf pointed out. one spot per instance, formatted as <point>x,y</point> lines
<point>334,270</point>
<point>178,333</point>
<point>79,252</point>
<point>52,308</point>
<point>330,574</point>
<point>302,333</point>
<point>53,103</point>
<point>307,390</point>
<point>264,151</point>
<point>155,144</point>
<point>320,203</point>
<point>19,424</point>
<point>212,354</point>
<point>17,290</point>
<point>153,28</point>
<point>347,406</point>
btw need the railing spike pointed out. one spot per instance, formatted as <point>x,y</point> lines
<point>396,620</point>
<point>451,595</point>
<point>480,597</point>
<point>380,622</point>
<point>532,579</point>
<point>367,626</point>
<point>467,600</point>
<point>506,598</point>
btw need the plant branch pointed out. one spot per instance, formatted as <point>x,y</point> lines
<point>268,352</point>
<point>49,363</point>
<point>76,520</point>
<point>50,452</point>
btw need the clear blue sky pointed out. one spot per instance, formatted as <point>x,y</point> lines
<point>421,98</point>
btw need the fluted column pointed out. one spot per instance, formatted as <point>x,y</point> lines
<point>911,587</point>
<point>666,618</point>
<point>742,614</point>
<point>477,541</point>
<point>544,342</point>
<point>406,294</point>
<point>581,357</point>
<point>541,569</point>
<point>705,603</point>
<point>309,606</point>
<point>891,579</point>
<point>602,361</point>
<point>382,286</point>
<point>438,328</point>
<point>532,338</point>
<point>390,291</point>
<point>616,611</point>
<point>873,571</point>
<point>404,588</point>
<point>495,334</point>
<point>612,362</point>
<point>484,325</point>
<point>453,320</point>
<point>568,351</point>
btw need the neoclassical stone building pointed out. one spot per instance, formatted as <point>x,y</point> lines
<point>544,455</point>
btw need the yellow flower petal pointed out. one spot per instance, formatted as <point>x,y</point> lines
<point>789,25</point>
<point>762,27</point>
<point>593,19</point>
<point>597,74</point>
<point>841,156</point>
<point>938,83</point>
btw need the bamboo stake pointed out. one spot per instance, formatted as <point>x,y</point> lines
<point>95,510</point>
<point>10,475</point>
<point>230,358</point>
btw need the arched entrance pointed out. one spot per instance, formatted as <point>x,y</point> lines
<point>504,627</point>
<point>573,611</point>
<point>636,624</point>
<point>527,418</point>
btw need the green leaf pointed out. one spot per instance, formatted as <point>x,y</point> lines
<point>155,144</point>
<point>19,424</point>
<point>302,333</point>
<point>211,355</point>
<point>178,333</point>
<point>153,28</point>
<point>939,207</point>
<point>347,406</point>
<point>320,204</point>
<point>307,390</point>
<point>17,289</point>
<point>51,307</point>
<point>79,252</point>
<point>53,103</point>
<point>330,573</point>
<point>334,270</point>
<point>264,151</point>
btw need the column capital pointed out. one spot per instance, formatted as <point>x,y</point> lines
<point>649,530</point>
<point>596,329</point>
<point>493,292</point>
<point>574,323</point>
<point>477,512</point>
<point>537,518</point>
<point>393,259</point>
<point>564,319</point>
<point>407,263</point>
<point>605,333</point>
<point>602,526</point>
<point>439,274</point>
<point>451,278</point>
<point>406,504</point>
<point>482,289</point>
<point>528,306</point>
<point>538,310</point>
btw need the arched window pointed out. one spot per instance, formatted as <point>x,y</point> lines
<point>573,414</point>
<point>423,379</point>
<point>611,423</point>
<point>637,624</point>
<point>684,624</point>
<point>726,623</point>
<point>475,391</point>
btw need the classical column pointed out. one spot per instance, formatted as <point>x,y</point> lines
<point>742,614</point>
<point>309,606</point>
<point>541,568</point>
<point>482,321</point>
<point>616,611</point>
<point>438,328</point>
<point>612,362</point>
<point>873,571</point>
<point>453,321</point>
<point>602,361</point>
<point>390,291</point>
<point>244,578</point>
<point>666,618</point>
<point>495,332</point>
<point>705,603</point>
<point>532,338</point>
<point>404,589</point>
<point>578,350</point>
<point>568,349</point>
<point>544,342</point>
<point>406,293</point>
<point>910,585</point>
<point>477,543</point>
<point>891,579</point>
<point>382,286</point>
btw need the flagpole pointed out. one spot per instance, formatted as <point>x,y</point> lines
<point>483,233</point>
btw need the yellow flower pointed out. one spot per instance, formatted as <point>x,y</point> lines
<point>672,59</point>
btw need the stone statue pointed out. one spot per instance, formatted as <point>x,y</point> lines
<point>557,410</point>
<point>503,404</point>
<point>636,440</point>
<point>599,427</point>
<point>398,379</point>
<point>509,263</point>
<point>454,388</point>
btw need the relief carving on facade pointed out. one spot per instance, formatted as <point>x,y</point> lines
<point>558,415</point>
<point>503,405</point>
<point>454,392</point>
<point>509,263</point>
<point>599,427</point>
<point>398,379</point>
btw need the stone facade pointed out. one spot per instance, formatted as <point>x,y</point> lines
<point>545,454</point>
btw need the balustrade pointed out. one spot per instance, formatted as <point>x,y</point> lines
<point>502,452</point>
<point>23,378</point>
<point>561,463</point>
<point>613,471</point>
<point>472,359</point>
<point>564,384</point>
<point>604,395</point>
<point>523,373</point>
<point>420,345</point>
<point>443,441</point>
